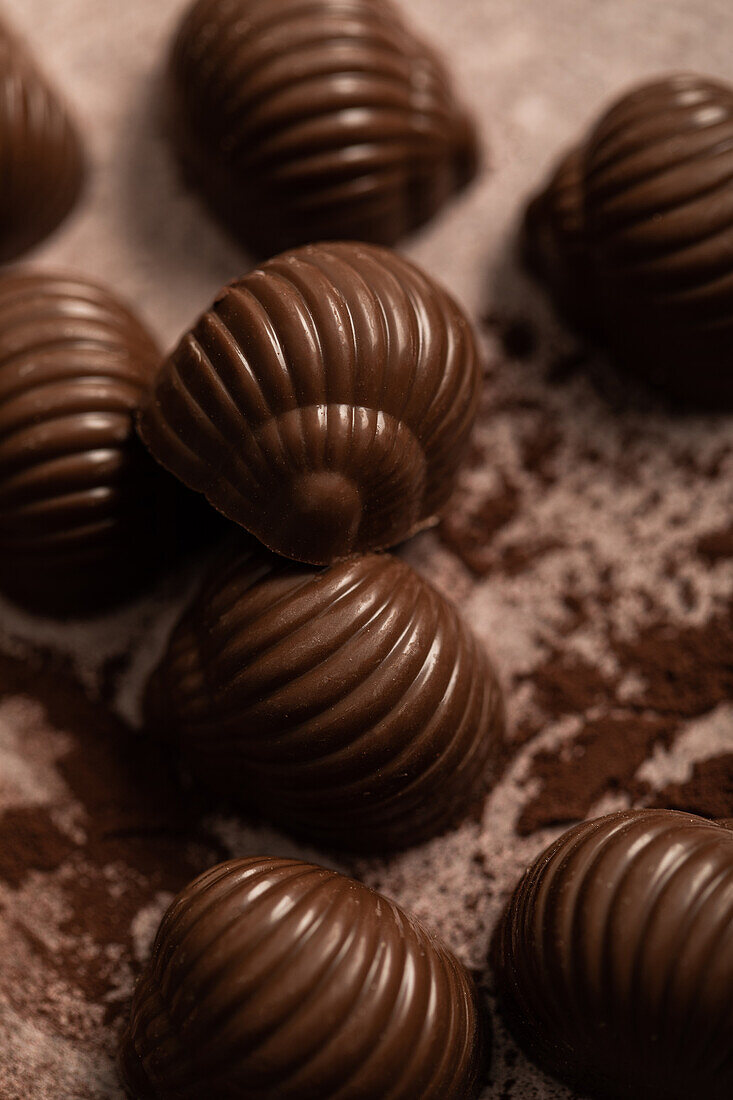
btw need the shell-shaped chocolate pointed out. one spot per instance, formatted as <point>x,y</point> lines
<point>652,242</point>
<point>322,120</point>
<point>553,244</point>
<point>351,705</point>
<point>41,163</point>
<point>273,979</point>
<point>324,402</point>
<point>615,959</point>
<point>76,487</point>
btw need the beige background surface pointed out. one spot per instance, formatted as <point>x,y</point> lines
<point>622,491</point>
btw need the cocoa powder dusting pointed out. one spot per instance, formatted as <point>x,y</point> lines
<point>119,835</point>
<point>30,841</point>
<point>686,670</point>
<point>603,759</point>
<point>716,546</point>
<point>470,534</point>
<point>708,791</point>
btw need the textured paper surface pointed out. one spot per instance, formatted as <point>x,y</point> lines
<point>590,543</point>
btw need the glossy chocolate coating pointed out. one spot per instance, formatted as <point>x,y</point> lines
<point>324,402</point>
<point>41,164</point>
<point>308,121</point>
<point>615,960</point>
<point>273,979</point>
<point>351,705</point>
<point>634,235</point>
<point>78,503</point>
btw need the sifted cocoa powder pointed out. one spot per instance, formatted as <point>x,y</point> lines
<point>716,546</point>
<point>30,841</point>
<point>708,791</point>
<point>469,534</point>
<point>686,670</point>
<point>603,758</point>
<point>683,672</point>
<point>134,835</point>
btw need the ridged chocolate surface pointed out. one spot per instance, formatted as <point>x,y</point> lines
<point>324,402</point>
<point>351,705</point>
<point>273,979</point>
<point>554,242</point>
<point>616,958</point>
<point>76,487</point>
<point>304,120</point>
<point>651,211</point>
<point>40,156</point>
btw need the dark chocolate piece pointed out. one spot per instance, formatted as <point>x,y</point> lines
<point>78,493</point>
<point>41,163</point>
<point>634,235</point>
<point>324,402</point>
<point>315,121</point>
<point>279,980</point>
<point>615,959</point>
<point>351,705</point>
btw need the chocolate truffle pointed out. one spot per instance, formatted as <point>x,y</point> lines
<point>77,489</point>
<point>324,402</point>
<point>301,122</point>
<point>40,156</point>
<point>634,235</point>
<point>351,705</point>
<point>615,959</point>
<point>273,979</point>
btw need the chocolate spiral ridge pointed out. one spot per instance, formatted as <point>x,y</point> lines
<point>616,957</point>
<point>351,705</point>
<point>41,161</point>
<point>276,979</point>
<point>316,120</point>
<point>77,490</point>
<point>649,269</point>
<point>324,402</point>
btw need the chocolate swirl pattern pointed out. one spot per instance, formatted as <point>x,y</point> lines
<point>652,234</point>
<point>279,980</point>
<point>41,164</point>
<point>324,402</point>
<point>616,957</point>
<point>350,705</point>
<point>325,119</point>
<point>77,497</point>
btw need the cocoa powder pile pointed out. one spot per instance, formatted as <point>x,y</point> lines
<point>589,544</point>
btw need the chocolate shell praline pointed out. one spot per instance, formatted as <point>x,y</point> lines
<point>79,499</point>
<point>41,161</point>
<point>303,122</point>
<point>350,705</point>
<point>273,979</point>
<point>634,235</point>
<point>324,402</point>
<point>615,957</point>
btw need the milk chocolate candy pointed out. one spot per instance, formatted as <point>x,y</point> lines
<point>309,121</point>
<point>351,705</point>
<point>615,961</point>
<point>324,402</point>
<point>273,979</point>
<point>78,500</point>
<point>41,162</point>
<point>634,235</point>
